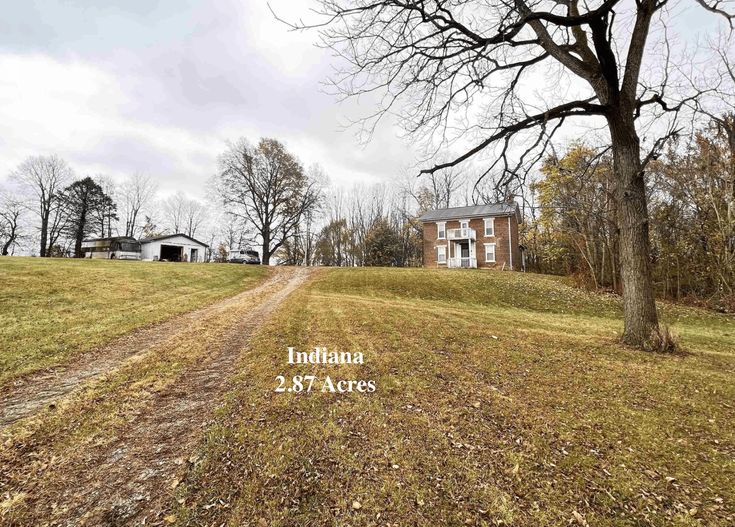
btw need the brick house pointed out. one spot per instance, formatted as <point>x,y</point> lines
<point>483,236</point>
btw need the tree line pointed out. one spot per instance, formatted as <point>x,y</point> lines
<point>571,226</point>
<point>260,196</point>
<point>47,210</point>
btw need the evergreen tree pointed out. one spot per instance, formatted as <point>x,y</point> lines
<point>83,202</point>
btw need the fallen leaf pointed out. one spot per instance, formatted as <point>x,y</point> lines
<point>580,519</point>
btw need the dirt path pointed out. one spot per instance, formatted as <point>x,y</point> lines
<point>127,481</point>
<point>35,392</point>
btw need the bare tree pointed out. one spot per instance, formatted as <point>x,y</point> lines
<point>436,190</point>
<point>233,233</point>
<point>42,178</point>
<point>174,212</point>
<point>445,60</point>
<point>195,214</point>
<point>106,215</point>
<point>444,185</point>
<point>266,186</point>
<point>136,193</point>
<point>11,210</point>
<point>183,214</point>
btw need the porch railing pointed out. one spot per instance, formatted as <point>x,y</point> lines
<point>469,263</point>
<point>461,234</point>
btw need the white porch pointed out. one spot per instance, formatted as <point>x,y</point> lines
<point>462,253</point>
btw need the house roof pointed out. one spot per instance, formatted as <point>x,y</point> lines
<point>167,236</point>
<point>473,211</point>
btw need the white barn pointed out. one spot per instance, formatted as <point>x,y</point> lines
<point>173,248</point>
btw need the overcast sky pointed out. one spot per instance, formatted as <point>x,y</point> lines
<point>158,87</point>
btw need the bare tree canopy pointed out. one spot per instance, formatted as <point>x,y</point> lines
<point>440,63</point>
<point>41,179</point>
<point>136,193</point>
<point>11,211</point>
<point>182,214</point>
<point>266,186</point>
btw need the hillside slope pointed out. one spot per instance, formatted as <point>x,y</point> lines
<point>502,399</point>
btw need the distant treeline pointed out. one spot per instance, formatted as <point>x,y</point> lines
<point>262,197</point>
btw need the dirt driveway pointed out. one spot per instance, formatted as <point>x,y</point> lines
<point>120,478</point>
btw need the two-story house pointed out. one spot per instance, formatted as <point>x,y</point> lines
<point>477,236</point>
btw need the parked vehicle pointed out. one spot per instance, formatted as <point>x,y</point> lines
<point>116,248</point>
<point>244,256</point>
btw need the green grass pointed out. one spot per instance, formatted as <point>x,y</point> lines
<point>502,399</point>
<point>54,309</point>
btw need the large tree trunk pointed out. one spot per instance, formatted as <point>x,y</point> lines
<point>44,233</point>
<point>266,257</point>
<point>79,234</point>
<point>639,305</point>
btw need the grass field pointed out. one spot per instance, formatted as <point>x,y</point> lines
<point>54,309</point>
<point>502,399</point>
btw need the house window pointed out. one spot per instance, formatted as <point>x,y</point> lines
<point>441,255</point>
<point>441,230</point>
<point>489,227</point>
<point>464,224</point>
<point>490,252</point>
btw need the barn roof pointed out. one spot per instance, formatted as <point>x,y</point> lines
<point>473,211</point>
<point>167,236</point>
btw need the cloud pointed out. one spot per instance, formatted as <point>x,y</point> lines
<point>160,87</point>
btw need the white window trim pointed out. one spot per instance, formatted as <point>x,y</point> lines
<point>441,226</point>
<point>495,258</point>
<point>445,255</point>
<point>464,221</point>
<point>491,221</point>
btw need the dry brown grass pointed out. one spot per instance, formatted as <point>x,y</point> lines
<point>502,399</point>
<point>551,423</point>
<point>54,309</point>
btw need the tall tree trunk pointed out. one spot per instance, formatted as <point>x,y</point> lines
<point>79,238</point>
<point>639,306</point>
<point>266,258</point>
<point>44,233</point>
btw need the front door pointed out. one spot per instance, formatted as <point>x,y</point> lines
<point>465,254</point>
